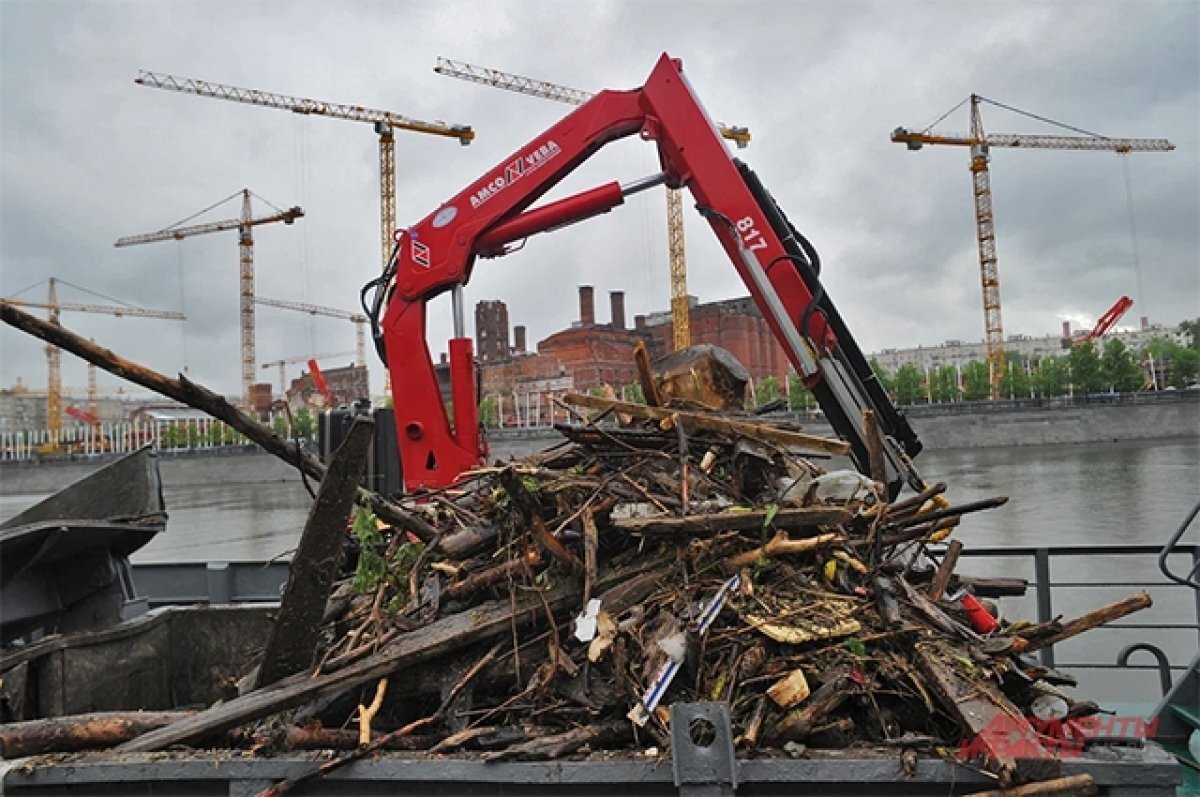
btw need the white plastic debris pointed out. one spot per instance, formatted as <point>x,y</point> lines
<point>585,623</point>
<point>844,485</point>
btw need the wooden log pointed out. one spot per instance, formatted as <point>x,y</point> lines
<point>914,503</point>
<point>995,727</point>
<point>316,738</point>
<point>715,423</point>
<point>591,548</point>
<point>753,520</point>
<point>641,359</point>
<point>781,545</point>
<point>1093,619</point>
<point>874,439</point>
<point>950,512</point>
<point>482,623</point>
<point>525,504</point>
<point>789,690</point>
<point>492,575</point>
<point>201,398</point>
<point>941,579</point>
<point>1062,787</point>
<point>81,731</point>
<point>798,724</point>
<point>558,745</point>
<point>294,635</point>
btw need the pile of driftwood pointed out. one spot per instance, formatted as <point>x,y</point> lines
<point>561,603</point>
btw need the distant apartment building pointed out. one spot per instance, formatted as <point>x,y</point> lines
<point>958,353</point>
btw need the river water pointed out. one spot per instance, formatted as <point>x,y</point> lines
<point>1131,493</point>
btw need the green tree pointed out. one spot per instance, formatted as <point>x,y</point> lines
<point>215,435</point>
<point>305,424</point>
<point>1050,378</point>
<point>279,426</point>
<point>767,389</point>
<point>633,392</point>
<point>1085,369</point>
<point>489,414</point>
<point>1120,371</point>
<point>910,384</point>
<point>1192,328</point>
<point>944,384</point>
<point>886,380</point>
<point>977,384</point>
<point>1014,382</point>
<point>799,396</point>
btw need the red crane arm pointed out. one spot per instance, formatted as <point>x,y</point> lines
<point>777,265</point>
<point>1111,316</point>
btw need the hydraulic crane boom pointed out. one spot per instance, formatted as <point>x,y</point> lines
<point>676,255</point>
<point>985,225</point>
<point>777,264</point>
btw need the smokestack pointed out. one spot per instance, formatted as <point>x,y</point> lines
<point>1066,329</point>
<point>519,338</point>
<point>617,301</point>
<point>587,306</point>
<point>1145,322</point>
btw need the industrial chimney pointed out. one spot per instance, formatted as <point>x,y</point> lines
<point>617,301</point>
<point>519,338</point>
<point>587,306</point>
<point>1066,329</point>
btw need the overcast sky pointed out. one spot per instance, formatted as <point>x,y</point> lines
<point>86,156</point>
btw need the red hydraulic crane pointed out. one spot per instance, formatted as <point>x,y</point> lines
<point>1105,322</point>
<point>244,224</point>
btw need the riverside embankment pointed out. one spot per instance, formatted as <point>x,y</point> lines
<point>942,427</point>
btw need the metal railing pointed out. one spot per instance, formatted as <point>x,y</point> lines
<point>1127,558</point>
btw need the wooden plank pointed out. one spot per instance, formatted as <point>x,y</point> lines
<point>795,518</point>
<point>482,623</point>
<point>297,629</point>
<point>995,727</point>
<point>715,423</point>
<point>645,375</point>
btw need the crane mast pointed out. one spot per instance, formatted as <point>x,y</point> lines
<point>980,144</point>
<point>244,224</point>
<point>676,254</point>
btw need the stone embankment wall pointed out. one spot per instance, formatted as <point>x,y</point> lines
<point>962,427</point>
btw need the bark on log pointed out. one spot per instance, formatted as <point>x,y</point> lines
<point>1097,617</point>
<point>645,375</point>
<point>1062,787</point>
<point>81,731</point>
<point>294,635</point>
<point>801,722</point>
<point>482,623</point>
<point>941,579</point>
<point>201,398</point>
<point>715,423</point>
<point>735,521</point>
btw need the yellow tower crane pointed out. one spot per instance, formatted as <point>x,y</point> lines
<point>680,323</point>
<point>303,358</point>
<point>54,354</point>
<point>985,230</point>
<point>384,122</point>
<point>244,224</point>
<point>358,319</point>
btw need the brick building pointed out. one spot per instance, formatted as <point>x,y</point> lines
<point>347,384</point>
<point>491,330</point>
<point>591,354</point>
